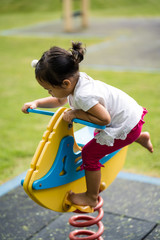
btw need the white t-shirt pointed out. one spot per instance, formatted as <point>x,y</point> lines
<point>124,111</point>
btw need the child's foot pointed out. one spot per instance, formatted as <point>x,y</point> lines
<point>83,199</point>
<point>145,141</point>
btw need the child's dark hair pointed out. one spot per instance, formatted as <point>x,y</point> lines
<point>58,64</point>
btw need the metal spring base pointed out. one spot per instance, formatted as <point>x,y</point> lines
<point>88,221</point>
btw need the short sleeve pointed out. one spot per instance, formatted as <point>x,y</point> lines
<point>85,102</point>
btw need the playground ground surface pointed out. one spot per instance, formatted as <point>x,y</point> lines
<point>132,202</point>
<point>131,212</point>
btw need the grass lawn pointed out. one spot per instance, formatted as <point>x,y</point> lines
<point>106,7</point>
<point>20,133</point>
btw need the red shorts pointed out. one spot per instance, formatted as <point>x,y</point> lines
<point>92,152</point>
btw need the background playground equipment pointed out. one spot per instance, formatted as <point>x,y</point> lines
<point>55,167</point>
<point>68,14</point>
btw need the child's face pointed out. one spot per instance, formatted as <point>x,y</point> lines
<point>55,91</point>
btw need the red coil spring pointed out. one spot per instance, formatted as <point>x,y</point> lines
<point>88,221</point>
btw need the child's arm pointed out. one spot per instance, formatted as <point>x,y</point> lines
<point>48,102</point>
<point>97,114</point>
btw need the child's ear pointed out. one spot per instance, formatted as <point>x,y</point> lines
<point>66,83</point>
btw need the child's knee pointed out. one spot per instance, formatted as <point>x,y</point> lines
<point>90,162</point>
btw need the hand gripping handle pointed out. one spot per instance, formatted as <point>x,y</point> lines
<point>75,120</point>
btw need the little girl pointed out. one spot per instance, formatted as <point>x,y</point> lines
<point>58,72</point>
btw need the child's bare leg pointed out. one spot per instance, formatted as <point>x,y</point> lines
<point>93,179</point>
<point>145,141</point>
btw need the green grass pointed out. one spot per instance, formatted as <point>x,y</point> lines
<point>126,8</point>
<point>21,133</point>
<point>14,20</point>
<point>107,7</point>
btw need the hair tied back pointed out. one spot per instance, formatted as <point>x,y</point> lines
<point>34,63</point>
<point>77,51</point>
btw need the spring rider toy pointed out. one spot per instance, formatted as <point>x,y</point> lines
<point>55,170</point>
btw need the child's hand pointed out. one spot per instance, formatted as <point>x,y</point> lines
<point>27,105</point>
<point>69,115</point>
